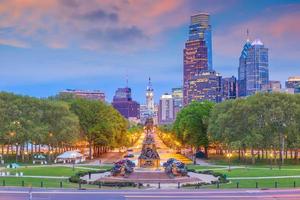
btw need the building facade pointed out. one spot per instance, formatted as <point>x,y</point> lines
<point>205,85</point>
<point>177,95</point>
<point>253,68</point>
<point>149,110</point>
<point>200,29</point>
<point>229,88</point>
<point>166,109</point>
<point>197,58</point>
<point>292,82</point>
<point>86,94</point>
<point>123,102</point>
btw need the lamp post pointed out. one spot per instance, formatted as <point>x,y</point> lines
<point>229,155</point>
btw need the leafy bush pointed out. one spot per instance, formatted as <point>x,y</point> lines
<point>115,184</point>
<point>76,178</point>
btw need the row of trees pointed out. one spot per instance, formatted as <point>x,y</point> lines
<point>265,124</point>
<point>60,122</point>
<point>26,120</point>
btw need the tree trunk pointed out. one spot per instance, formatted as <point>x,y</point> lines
<point>252,156</point>
<point>90,149</point>
<point>205,152</point>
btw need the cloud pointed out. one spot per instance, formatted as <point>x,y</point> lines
<point>14,43</point>
<point>100,15</point>
<point>65,23</point>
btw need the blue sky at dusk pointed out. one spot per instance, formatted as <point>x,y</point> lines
<point>50,45</point>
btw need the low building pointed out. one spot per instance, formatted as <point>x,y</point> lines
<point>292,84</point>
<point>229,88</point>
<point>86,94</point>
<point>166,109</point>
<point>123,102</point>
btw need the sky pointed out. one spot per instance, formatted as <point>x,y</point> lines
<point>50,45</point>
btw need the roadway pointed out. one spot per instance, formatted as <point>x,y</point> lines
<point>241,194</point>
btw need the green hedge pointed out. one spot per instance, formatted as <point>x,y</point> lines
<point>78,175</point>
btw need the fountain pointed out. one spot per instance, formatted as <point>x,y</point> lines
<point>149,157</point>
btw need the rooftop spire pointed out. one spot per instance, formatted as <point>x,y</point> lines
<point>248,39</point>
<point>149,87</point>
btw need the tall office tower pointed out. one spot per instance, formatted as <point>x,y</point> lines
<point>200,29</point>
<point>150,97</point>
<point>86,94</point>
<point>166,109</point>
<point>205,86</point>
<point>177,95</point>
<point>229,89</point>
<point>197,54</point>
<point>253,68</point>
<point>123,102</point>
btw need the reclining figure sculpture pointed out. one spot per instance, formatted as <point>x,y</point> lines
<point>174,167</point>
<point>122,168</point>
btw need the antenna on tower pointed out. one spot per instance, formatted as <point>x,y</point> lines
<point>248,39</point>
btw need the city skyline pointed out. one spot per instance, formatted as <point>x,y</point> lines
<point>41,59</point>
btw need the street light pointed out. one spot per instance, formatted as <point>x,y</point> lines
<point>229,155</point>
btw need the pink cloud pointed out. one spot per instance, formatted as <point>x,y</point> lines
<point>61,23</point>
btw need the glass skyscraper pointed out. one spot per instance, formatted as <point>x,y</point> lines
<point>197,54</point>
<point>253,73</point>
<point>200,29</point>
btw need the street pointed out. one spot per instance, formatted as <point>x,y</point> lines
<point>244,194</point>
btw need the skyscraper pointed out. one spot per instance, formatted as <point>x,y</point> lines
<point>166,109</point>
<point>253,68</point>
<point>200,81</point>
<point>200,29</point>
<point>123,102</point>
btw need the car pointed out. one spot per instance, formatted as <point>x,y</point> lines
<point>130,155</point>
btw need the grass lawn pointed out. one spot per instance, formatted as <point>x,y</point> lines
<point>48,171</point>
<point>95,167</point>
<point>36,182</point>
<point>265,183</point>
<point>253,172</point>
<point>199,167</point>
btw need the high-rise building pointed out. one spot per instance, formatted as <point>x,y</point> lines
<point>253,68</point>
<point>229,89</point>
<point>123,102</point>
<point>166,109</point>
<point>205,86</point>
<point>200,29</point>
<point>177,95</point>
<point>86,94</point>
<point>197,54</point>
